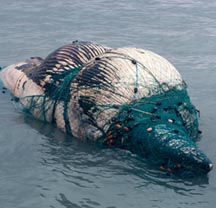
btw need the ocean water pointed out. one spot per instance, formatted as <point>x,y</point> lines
<point>42,167</point>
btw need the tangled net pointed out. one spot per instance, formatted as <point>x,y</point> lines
<point>127,97</point>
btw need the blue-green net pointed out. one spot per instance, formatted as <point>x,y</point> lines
<point>162,126</point>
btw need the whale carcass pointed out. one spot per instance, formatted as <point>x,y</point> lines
<point>129,98</point>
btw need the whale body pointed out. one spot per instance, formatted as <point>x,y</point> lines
<point>128,98</point>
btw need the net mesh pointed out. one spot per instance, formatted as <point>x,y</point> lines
<point>117,87</point>
<point>129,98</point>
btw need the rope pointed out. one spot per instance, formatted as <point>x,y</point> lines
<point>137,80</point>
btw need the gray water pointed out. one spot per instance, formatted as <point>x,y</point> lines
<point>42,167</point>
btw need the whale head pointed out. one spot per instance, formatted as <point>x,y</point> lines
<point>175,150</point>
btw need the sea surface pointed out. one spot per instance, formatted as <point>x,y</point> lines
<point>40,167</point>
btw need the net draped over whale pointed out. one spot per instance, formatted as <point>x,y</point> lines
<point>124,97</point>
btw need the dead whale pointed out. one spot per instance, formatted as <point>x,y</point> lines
<point>128,98</point>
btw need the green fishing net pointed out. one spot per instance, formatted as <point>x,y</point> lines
<point>127,98</point>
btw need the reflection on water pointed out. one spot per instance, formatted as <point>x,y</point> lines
<point>89,168</point>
